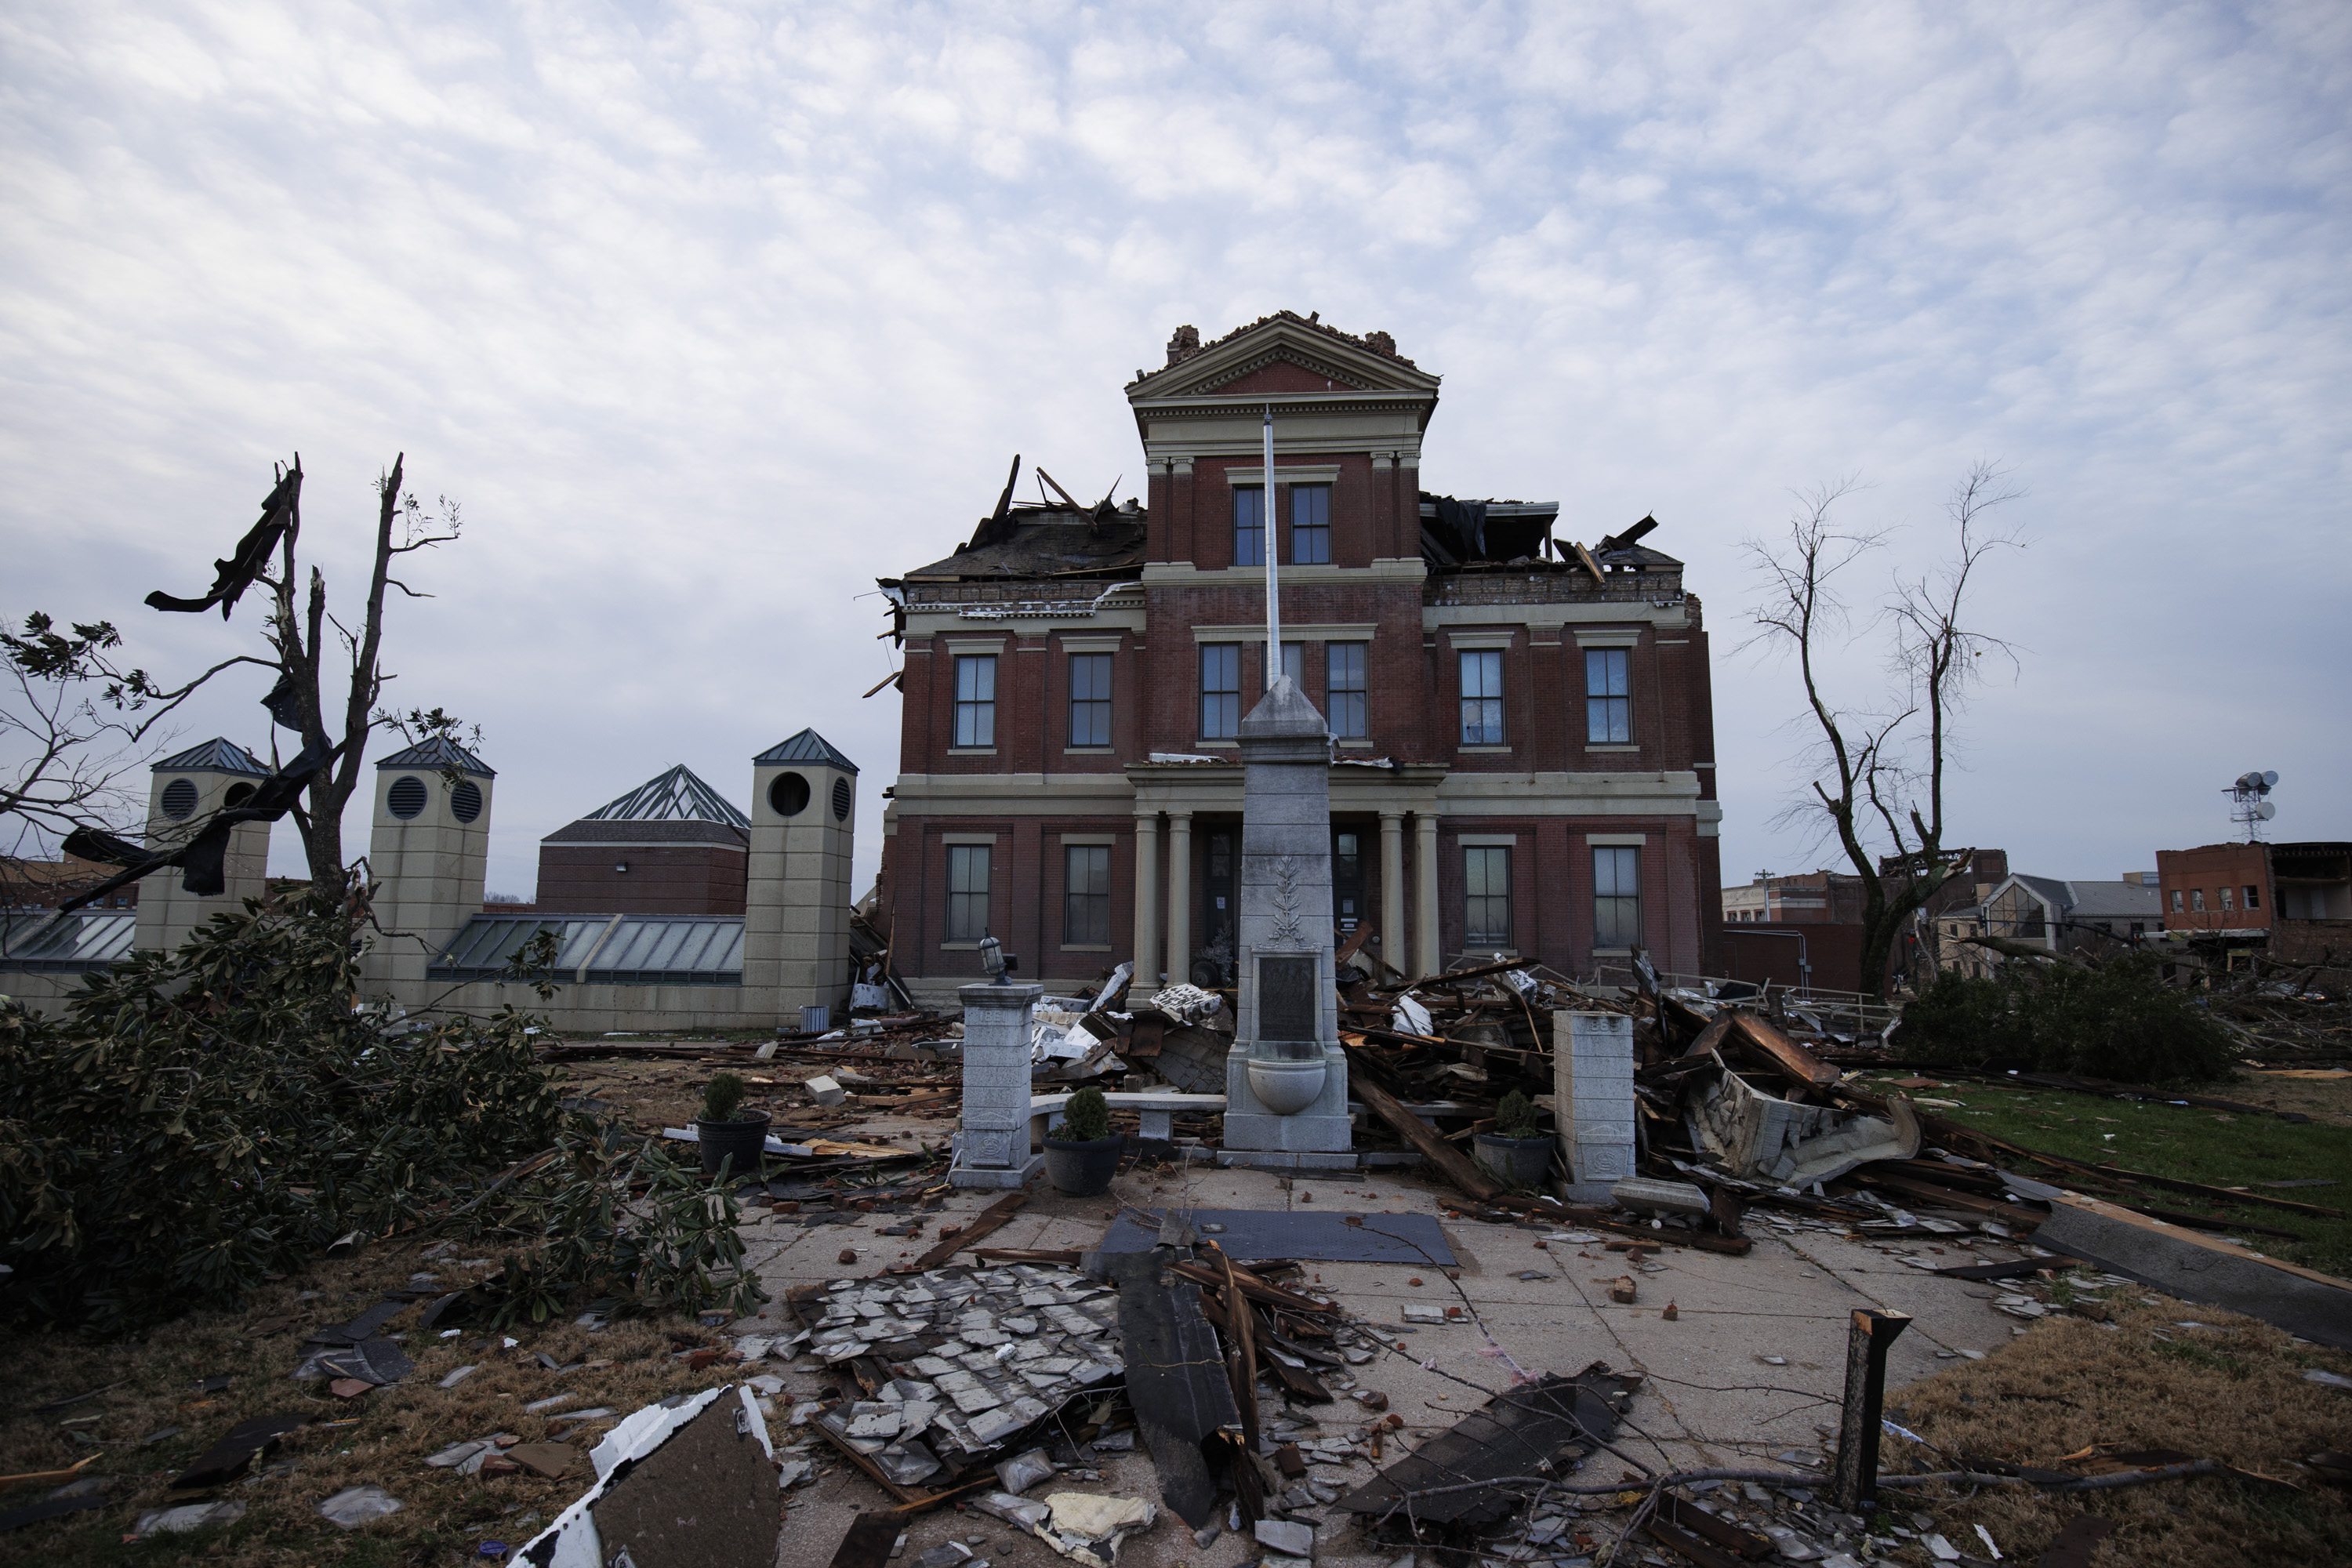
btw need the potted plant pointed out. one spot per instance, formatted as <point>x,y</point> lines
<point>1082,1153</point>
<point>727,1132</point>
<point>1515,1151</point>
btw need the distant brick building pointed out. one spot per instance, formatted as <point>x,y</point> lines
<point>1523,733</point>
<point>2294,900</point>
<point>673,846</point>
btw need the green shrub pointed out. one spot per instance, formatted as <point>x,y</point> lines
<point>1515,1117</point>
<point>722,1097</point>
<point>1087,1118</point>
<point>196,1120</point>
<point>2118,1021</point>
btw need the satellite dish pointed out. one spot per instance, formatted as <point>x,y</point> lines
<point>2269,779</point>
<point>2266,811</point>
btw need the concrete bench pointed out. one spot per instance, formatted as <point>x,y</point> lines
<point>1158,1110</point>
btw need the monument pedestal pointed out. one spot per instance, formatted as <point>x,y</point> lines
<point>1286,1075</point>
<point>991,1142</point>
<point>1319,1138</point>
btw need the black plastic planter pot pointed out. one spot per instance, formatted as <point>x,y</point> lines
<point>744,1137</point>
<point>1082,1170</point>
<point>1522,1161</point>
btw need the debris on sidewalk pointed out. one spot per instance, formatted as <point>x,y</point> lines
<point>1545,1427</point>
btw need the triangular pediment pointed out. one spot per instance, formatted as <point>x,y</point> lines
<point>1285,355</point>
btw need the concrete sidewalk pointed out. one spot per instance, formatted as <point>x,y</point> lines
<point>1752,1367</point>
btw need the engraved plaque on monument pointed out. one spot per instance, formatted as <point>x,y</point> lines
<point>1285,997</point>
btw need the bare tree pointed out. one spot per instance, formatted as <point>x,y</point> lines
<point>72,764</point>
<point>305,644</point>
<point>1880,771</point>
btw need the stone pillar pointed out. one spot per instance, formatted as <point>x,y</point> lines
<point>1180,898</point>
<point>185,791</point>
<point>1593,1104</point>
<point>1392,926</point>
<point>1286,1076</point>
<point>991,1142</point>
<point>1426,959</point>
<point>1147,905</point>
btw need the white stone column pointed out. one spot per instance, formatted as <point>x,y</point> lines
<point>1180,898</point>
<point>1392,926</point>
<point>992,1134</point>
<point>1592,1099</point>
<point>1147,905</point>
<point>1426,959</point>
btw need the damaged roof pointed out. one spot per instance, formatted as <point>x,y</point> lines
<point>1049,541</point>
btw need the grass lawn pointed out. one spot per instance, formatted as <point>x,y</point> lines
<point>2219,1148</point>
<point>2157,1374</point>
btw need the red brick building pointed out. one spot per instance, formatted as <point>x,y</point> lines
<point>673,846</point>
<point>1523,754</point>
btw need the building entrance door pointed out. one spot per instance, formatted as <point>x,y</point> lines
<point>1216,959</point>
<point>1347,883</point>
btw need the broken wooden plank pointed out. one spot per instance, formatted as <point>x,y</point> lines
<point>1949,1197</point>
<point>1252,1285</point>
<point>1456,1167</point>
<point>1721,1533</point>
<point>1027,1255</point>
<point>1791,1059</point>
<point>2015,1268</point>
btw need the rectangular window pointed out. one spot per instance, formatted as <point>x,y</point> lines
<point>1086,895</point>
<point>1249,527</point>
<point>1294,663</point>
<point>1310,524</point>
<point>1486,896</point>
<point>1090,700</point>
<point>1482,697</point>
<point>967,891</point>
<point>2226,897</point>
<point>2196,900</point>
<point>975,700</point>
<point>1220,691</point>
<point>1350,717</point>
<point>2254,897</point>
<point>1608,710</point>
<point>2176,900</point>
<point>1616,896</point>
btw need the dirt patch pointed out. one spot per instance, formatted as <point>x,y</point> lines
<point>2232,1390</point>
<point>380,1439</point>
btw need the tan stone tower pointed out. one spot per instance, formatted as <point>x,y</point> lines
<point>185,790</point>
<point>796,902</point>
<point>429,853</point>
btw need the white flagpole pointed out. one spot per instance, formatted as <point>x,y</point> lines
<point>1272,548</point>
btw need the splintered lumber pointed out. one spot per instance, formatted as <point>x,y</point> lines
<point>1251,1286</point>
<point>1949,1197</point>
<point>1790,1057</point>
<point>1415,1131</point>
<point>988,1219</point>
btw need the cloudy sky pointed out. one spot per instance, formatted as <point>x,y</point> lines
<point>711,314</point>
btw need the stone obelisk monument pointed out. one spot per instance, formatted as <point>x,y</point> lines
<point>1286,1078</point>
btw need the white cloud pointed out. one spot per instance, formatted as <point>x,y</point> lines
<point>712,313</point>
